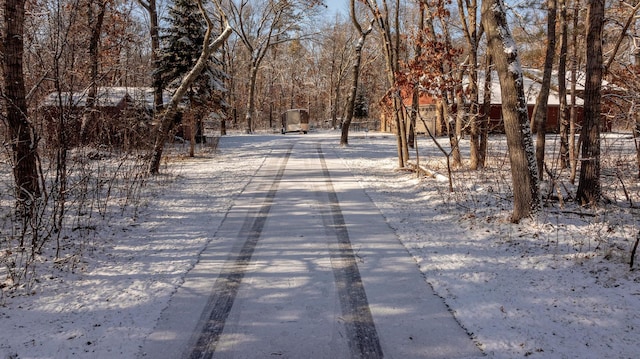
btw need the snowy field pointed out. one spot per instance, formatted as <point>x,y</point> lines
<point>557,286</point>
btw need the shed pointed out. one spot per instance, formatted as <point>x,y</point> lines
<point>121,112</point>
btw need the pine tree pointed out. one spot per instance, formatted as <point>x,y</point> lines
<point>181,46</point>
<point>361,105</point>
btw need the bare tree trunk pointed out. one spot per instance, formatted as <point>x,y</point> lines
<point>573,158</point>
<point>456,134</point>
<point>542,105</point>
<point>344,138</point>
<point>589,190</point>
<point>94,22</point>
<point>413,115</point>
<point>399,104</point>
<point>636,140</point>
<point>562,87</point>
<point>154,32</point>
<point>486,113</point>
<point>524,171</point>
<point>402,122</point>
<point>22,136</point>
<point>471,36</point>
<point>415,96</point>
<point>251,100</point>
<point>391,65</point>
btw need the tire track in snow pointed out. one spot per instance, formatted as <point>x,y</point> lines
<point>361,331</point>
<point>228,283</point>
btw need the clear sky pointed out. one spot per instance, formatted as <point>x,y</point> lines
<point>337,5</point>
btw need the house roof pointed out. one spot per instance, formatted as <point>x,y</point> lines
<point>581,77</point>
<point>531,89</point>
<point>106,97</point>
<point>424,99</point>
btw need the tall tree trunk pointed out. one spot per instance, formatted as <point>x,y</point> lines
<point>542,105</point>
<point>636,139</point>
<point>573,152</point>
<point>455,134</point>
<point>455,126</point>
<point>391,65</point>
<point>562,86</point>
<point>486,113</point>
<point>524,171</point>
<point>413,115</point>
<point>344,137</point>
<point>589,190</point>
<point>22,135</point>
<point>399,109</point>
<point>470,34</point>
<point>251,100</point>
<point>415,95</point>
<point>154,32</point>
<point>94,22</point>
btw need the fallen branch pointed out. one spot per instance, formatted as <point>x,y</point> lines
<point>427,172</point>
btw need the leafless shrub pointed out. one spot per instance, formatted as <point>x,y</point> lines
<point>562,226</point>
<point>100,185</point>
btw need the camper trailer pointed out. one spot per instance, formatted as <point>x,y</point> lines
<point>295,120</point>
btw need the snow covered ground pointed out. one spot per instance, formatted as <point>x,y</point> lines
<point>557,286</point>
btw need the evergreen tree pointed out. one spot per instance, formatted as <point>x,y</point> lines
<point>181,46</point>
<point>361,105</point>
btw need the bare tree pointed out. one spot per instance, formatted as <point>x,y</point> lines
<point>486,111</point>
<point>469,23</point>
<point>589,188</point>
<point>390,40</point>
<point>503,49</point>
<point>166,118</point>
<point>573,155</point>
<point>344,138</point>
<point>562,85</point>
<point>154,32</point>
<point>415,91</point>
<point>338,70</point>
<point>95,18</point>
<point>260,26</point>
<point>22,136</point>
<point>540,111</point>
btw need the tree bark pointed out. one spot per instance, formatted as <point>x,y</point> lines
<point>344,136</point>
<point>562,87</point>
<point>415,95</point>
<point>94,22</point>
<point>471,35</point>
<point>391,65</point>
<point>542,105</point>
<point>154,32</point>
<point>251,99</point>
<point>573,152</point>
<point>589,190</point>
<point>636,139</point>
<point>22,136</point>
<point>503,49</point>
<point>486,113</point>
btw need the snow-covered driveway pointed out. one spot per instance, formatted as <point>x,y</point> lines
<point>305,266</point>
